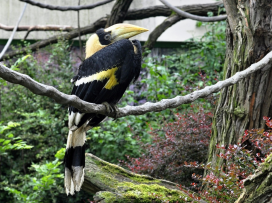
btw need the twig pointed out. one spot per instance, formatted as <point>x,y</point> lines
<point>79,36</point>
<point>157,32</point>
<point>38,28</point>
<point>72,100</point>
<point>65,8</point>
<point>13,33</point>
<point>194,17</point>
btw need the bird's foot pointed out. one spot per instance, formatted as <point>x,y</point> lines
<point>112,109</point>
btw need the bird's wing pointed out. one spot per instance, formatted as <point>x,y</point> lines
<point>128,71</point>
<point>104,77</point>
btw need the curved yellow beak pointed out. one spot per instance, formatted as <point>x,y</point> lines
<point>124,31</point>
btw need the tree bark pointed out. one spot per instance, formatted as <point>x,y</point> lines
<point>243,105</point>
<point>258,187</point>
<point>111,183</point>
<point>118,12</point>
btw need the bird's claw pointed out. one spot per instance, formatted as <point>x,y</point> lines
<point>112,109</point>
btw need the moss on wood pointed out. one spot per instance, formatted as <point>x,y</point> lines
<point>112,183</point>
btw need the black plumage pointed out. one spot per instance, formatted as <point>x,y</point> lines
<point>119,54</point>
<point>112,63</point>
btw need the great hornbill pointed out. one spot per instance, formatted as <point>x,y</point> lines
<point>112,62</point>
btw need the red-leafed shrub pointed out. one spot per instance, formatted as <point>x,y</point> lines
<point>186,139</point>
<point>225,184</point>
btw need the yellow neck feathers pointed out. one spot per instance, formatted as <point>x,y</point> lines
<point>93,45</point>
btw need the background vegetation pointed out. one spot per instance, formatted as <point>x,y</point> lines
<point>170,144</point>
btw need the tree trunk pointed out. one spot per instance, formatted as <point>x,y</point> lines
<point>242,106</point>
<point>111,183</point>
<point>258,187</point>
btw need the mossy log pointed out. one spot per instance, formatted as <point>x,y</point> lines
<point>111,183</point>
<point>258,187</point>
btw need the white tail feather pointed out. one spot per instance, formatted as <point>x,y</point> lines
<point>68,182</point>
<point>69,139</point>
<point>79,137</point>
<point>78,177</point>
<point>71,119</point>
<point>75,138</point>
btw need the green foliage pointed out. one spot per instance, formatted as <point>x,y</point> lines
<point>9,142</point>
<point>32,174</point>
<point>44,182</point>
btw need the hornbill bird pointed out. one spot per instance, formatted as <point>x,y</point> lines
<point>112,62</point>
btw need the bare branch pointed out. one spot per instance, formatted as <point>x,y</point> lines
<point>38,28</point>
<point>79,36</point>
<point>118,12</point>
<point>194,17</point>
<point>13,33</point>
<point>66,8</point>
<point>71,35</point>
<point>48,28</point>
<point>171,20</point>
<point>72,100</point>
<point>153,11</point>
<point>157,32</point>
<point>199,9</point>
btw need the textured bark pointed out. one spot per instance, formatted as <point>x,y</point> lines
<point>243,105</point>
<point>118,12</point>
<point>258,187</point>
<point>111,183</point>
<point>138,14</point>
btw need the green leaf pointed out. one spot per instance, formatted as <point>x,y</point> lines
<point>60,154</point>
<point>6,142</point>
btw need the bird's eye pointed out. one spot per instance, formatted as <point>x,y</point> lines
<point>107,37</point>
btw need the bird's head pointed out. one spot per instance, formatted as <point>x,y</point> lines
<point>104,37</point>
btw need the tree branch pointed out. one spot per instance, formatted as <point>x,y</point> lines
<point>199,9</point>
<point>13,33</point>
<point>68,36</point>
<point>79,36</point>
<point>38,28</point>
<point>71,100</point>
<point>194,17</point>
<point>48,28</point>
<point>157,32</point>
<point>171,20</point>
<point>153,11</point>
<point>118,12</point>
<point>258,187</point>
<point>66,8</point>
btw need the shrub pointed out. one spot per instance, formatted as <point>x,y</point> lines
<point>185,139</point>
<point>225,184</point>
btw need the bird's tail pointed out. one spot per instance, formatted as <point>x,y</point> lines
<point>74,160</point>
